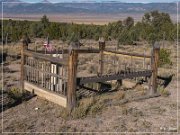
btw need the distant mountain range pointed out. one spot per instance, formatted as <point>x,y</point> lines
<point>112,7</point>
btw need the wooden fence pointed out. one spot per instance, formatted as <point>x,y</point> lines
<point>53,76</point>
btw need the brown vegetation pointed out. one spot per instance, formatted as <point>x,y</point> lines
<point>99,113</point>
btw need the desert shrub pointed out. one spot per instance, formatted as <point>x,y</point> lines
<point>64,113</point>
<point>15,93</point>
<point>163,91</point>
<point>91,106</point>
<point>125,38</point>
<point>96,108</point>
<point>80,112</point>
<point>83,108</point>
<point>164,57</point>
<point>16,96</point>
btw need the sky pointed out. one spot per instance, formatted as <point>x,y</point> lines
<point>128,1</point>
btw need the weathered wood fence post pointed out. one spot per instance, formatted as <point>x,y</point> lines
<point>72,81</point>
<point>101,56</point>
<point>101,59</point>
<point>24,46</point>
<point>154,67</point>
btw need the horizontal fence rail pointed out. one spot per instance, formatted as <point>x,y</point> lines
<point>125,75</point>
<point>65,51</point>
<point>110,52</point>
<point>45,57</point>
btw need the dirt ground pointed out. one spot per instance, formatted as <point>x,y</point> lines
<point>158,115</point>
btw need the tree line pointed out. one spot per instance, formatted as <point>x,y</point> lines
<point>154,26</point>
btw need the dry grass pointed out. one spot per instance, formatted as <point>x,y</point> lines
<point>92,106</point>
<point>104,112</point>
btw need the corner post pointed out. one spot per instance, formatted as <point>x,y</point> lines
<point>72,81</point>
<point>154,67</point>
<point>101,56</point>
<point>24,46</point>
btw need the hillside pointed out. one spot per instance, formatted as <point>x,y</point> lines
<point>101,8</point>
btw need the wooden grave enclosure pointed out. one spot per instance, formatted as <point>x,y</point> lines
<point>53,75</point>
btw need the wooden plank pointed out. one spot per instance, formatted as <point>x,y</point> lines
<point>135,55</point>
<point>46,57</point>
<point>49,76</point>
<point>52,77</point>
<point>38,72</point>
<point>144,60</point>
<point>104,78</point>
<point>27,74</point>
<point>49,95</point>
<point>72,73</point>
<point>60,72</point>
<point>87,50</point>
<point>52,52</point>
<point>101,57</point>
<point>23,49</point>
<point>45,69</point>
<point>33,71</point>
<point>22,68</point>
<point>154,67</point>
<point>42,80</point>
<point>65,51</point>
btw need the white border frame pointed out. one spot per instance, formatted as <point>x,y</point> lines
<point>177,17</point>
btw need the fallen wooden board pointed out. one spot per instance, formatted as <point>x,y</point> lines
<point>50,96</point>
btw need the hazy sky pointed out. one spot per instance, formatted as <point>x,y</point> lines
<point>129,1</point>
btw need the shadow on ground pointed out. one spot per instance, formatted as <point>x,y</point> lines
<point>166,80</point>
<point>7,100</point>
